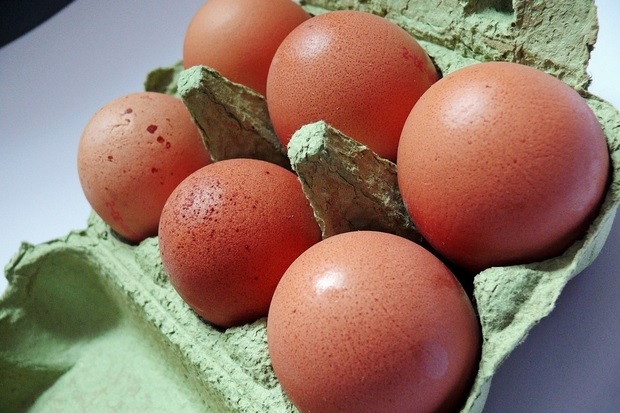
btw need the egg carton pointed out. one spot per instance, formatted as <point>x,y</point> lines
<point>90,323</point>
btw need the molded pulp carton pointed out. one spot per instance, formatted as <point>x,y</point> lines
<point>90,323</point>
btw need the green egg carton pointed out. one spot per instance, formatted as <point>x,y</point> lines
<point>90,323</point>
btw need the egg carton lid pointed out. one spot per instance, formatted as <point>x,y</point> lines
<point>554,36</point>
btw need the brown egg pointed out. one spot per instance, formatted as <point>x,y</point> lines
<point>228,233</point>
<point>501,164</point>
<point>359,72</point>
<point>132,153</point>
<point>238,38</point>
<point>371,322</point>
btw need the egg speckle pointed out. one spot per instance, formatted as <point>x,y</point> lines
<point>371,322</point>
<point>228,233</point>
<point>500,163</point>
<point>132,153</point>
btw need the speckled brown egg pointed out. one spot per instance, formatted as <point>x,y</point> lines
<point>132,153</point>
<point>359,72</point>
<point>238,38</point>
<point>371,322</point>
<point>501,163</point>
<point>228,233</point>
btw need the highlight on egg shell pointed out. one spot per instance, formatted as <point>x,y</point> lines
<point>358,72</point>
<point>367,321</point>
<point>238,38</point>
<point>500,163</point>
<point>132,153</point>
<point>227,234</point>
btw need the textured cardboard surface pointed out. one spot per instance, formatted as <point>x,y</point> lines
<point>224,371</point>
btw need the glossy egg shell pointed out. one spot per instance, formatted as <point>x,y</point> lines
<point>501,163</point>
<point>238,38</point>
<point>359,72</point>
<point>132,153</point>
<point>228,233</point>
<point>371,322</point>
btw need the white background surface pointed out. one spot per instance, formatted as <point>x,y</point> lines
<point>56,76</point>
